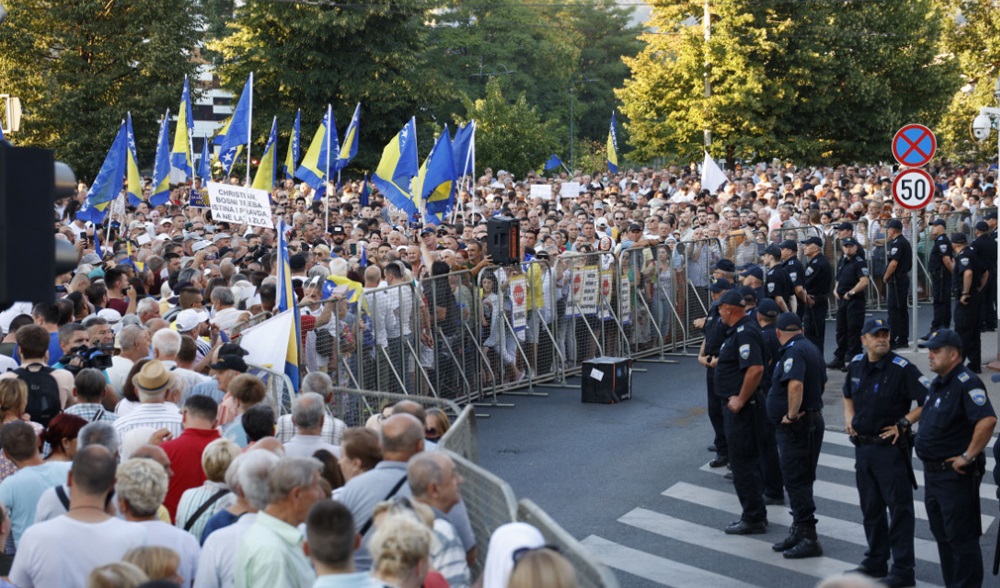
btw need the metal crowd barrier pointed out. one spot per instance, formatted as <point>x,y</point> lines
<point>279,389</point>
<point>589,572</point>
<point>462,436</point>
<point>355,407</point>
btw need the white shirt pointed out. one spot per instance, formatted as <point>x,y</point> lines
<point>150,415</point>
<point>118,372</point>
<point>93,545</point>
<point>7,364</point>
<point>307,445</point>
<point>217,567</point>
<point>332,433</point>
<point>160,534</point>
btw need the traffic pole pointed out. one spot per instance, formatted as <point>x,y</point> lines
<point>914,270</point>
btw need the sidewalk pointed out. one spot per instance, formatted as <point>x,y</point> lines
<point>833,412</point>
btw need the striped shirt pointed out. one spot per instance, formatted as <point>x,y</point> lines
<point>150,415</point>
<point>332,433</point>
<point>91,411</point>
<point>194,498</point>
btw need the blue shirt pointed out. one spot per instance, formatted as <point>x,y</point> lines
<point>219,520</point>
<point>20,492</point>
<point>882,392</point>
<point>954,403</point>
<point>799,360</point>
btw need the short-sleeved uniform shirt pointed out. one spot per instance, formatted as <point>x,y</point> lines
<point>796,272</point>
<point>799,360</point>
<point>852,269</point>
<point>899,250</point>
<point>818,277</point>
<point>742,349</point>
<point>966,260</point>
<point>777,283</point>
<point>882,392</point>
<point>954,403</point>
<point>714,329</point>
<point>940,250</point>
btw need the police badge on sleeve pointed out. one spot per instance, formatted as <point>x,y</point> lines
<point>788,364</point>
<point>745,351</point>
<point>978,396</point>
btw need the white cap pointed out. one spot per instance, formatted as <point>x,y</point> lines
<point>189,319</point>
<point>200,245</point>
<point>166,220</point>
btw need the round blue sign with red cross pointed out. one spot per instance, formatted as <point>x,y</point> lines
<point>914,145</point>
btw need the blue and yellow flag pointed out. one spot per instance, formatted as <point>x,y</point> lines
<point>349,149</point>
<point>613,146</point>
<point>294,145</point>
<point>267,173</point>
<point>160,192</point>
<point>286,301</point>
<point>205,165</point>
<point>366,192</point>
<point>463,149</point>
<point>236,133</point>
<point>180,155</point>
<point>398,167</point>
<point>132,167</point>
<point>435,183</point>
<point>319,159</point>
<point>108,184</point>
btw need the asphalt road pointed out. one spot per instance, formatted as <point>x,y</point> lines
<point>631,481</point>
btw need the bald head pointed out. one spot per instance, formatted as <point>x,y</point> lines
<point>411,407</point>
<point>402,437</point>
<point>373,275</point>
<point>93,471</point>
<point>154,453</point>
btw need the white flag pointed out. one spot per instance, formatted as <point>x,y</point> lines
<point>711,175</point>
<point>267,343</point>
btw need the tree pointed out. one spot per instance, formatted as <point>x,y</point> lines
<point>816,81</point>
<point>306,56</point>
<point>971,33</point>
<point>79,66</point>
<point>509,135</point>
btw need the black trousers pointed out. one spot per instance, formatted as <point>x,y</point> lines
<point>988,307</point>
<point>715,408</point>
<point>770,463</point>
<point>941,287</point>
<point>897,293</point>
<point>850,319</point>
<point>814,322</point>
<point>967,326</point>
<point>743,433</point>
<point>884,486</point>
<point>799,445</point>
<point>952,501</point>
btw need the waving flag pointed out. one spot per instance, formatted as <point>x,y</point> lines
<point>463,149</point>
<point>180,155</point>
<point>553,162</point>
<point>267,172</point>
<point>108,184</point>
<point>350,147</point>
<point>398,167</point>
<point>613,146</point>
<point>319,157</point>
<point>286,301</point>
<point>160,193</point>
<point>712,175</point>
<point>294,145</point>
<point>435,183</point>
<point>205,165</point>
<point>366,192</point>
<point>132,167</point>
<point>236,133</point>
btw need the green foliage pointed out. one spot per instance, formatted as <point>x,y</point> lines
<point>79,66</point>
<point>972,37</point>
<point>306,56</point>
<point>815,81</point>
<point>509,135</point>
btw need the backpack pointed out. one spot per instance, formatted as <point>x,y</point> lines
<point>43,394</point>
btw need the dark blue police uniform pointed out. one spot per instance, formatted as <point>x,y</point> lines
<point>967,320</point>
<point>940,281</point>
<point>882,393</point>
<point>954,403</point>
<point>986,248</point>
<point>897,291</point>
<point>799,442</point>
<point>770,463</point>
<point>850,310</point>
<point>743,348</point>
<point>715,330</point>
<point>797,276</point>
<point>777,283</point>
<point>818,283</point>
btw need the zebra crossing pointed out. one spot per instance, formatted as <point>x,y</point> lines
<point>677,539</point>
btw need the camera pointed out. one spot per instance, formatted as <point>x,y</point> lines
<point>90,357</point>
<point>981,126</point>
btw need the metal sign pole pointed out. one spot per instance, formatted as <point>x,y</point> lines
<point>914,270</point>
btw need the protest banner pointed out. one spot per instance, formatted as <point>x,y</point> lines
<point>237,204</point>
<point>543,191</point>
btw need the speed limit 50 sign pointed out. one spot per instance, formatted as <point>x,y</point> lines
<point>913,189</point>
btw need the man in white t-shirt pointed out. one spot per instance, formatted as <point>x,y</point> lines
<point>96,537</point>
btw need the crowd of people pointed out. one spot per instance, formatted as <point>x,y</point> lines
<point>136,430</point>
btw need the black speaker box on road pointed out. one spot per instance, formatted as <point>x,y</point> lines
<point>607,380</point>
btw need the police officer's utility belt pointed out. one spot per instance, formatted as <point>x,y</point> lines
<point>859,440</point>
<point>937,466</point>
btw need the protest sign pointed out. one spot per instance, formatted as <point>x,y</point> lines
<point>543,191</point>
<point>237,204</point>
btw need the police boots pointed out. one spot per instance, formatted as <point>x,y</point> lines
<point>808,545</point>
<point>794,536</point>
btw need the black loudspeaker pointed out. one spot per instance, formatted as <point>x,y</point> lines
<point>27,247</point>
<point>606,380</point>
<point>503,240</point>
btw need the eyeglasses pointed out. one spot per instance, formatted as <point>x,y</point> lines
<point>519,553</point>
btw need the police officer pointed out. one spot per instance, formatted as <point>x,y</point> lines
<point>852,283</point>
<point>967,281</point>
<point>956,423</point>
<point>738,374</point>
<point>897,282</point>
<point>986,248</point>
<point>845,230</point>
<point>753,277</point>
<point>879,393</point>
<point>770,465</point>
<point>940,265</point>
<point>794,405</point>
<point>818,283</point>
<point>777,285</point>
<point>796,274</point>
<point>749,299</point>
<point>708,355</point>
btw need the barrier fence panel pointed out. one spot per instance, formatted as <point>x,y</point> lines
<point>504,295</point>
<point>355,407</point>
<point>461,436</point>
<point>590,573</point>
<point>589,324</point>
<point>490,503</point>
<point>694,299</point>
<point>451,365</point>
<point>279,389</point>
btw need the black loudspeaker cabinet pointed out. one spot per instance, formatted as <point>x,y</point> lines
<point>503,240</point>
<point>27,248</point>
<point>606,380</point>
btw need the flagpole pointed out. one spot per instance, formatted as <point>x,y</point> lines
<point>249,129</point>
<point>189,116</point>
<point>326,177</point>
